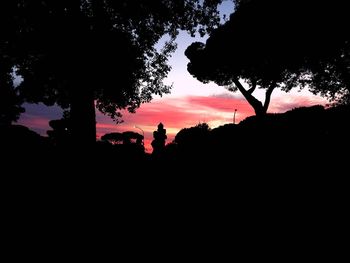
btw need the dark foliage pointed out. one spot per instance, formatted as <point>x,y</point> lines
<point>10,99</point>
<point>272,43</point>
<point>193,140</point>
<point>21,140</point>
<point>303,136</point>
<point>77,53</point>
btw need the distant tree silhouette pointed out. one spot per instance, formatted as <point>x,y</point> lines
<point>81,54</point>
<point>127,137</point>
<point>272,43</point>
<point>158,143</point>
<point>113,138</point>
<point>132,137</point>
<point>123,146</point>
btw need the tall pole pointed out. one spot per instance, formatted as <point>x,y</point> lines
<point>234,117</point>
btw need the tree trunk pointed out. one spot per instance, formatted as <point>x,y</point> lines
<point>83,118</point>
<point>268,96</point>
<point>259,108</point>
<point>344,69</point>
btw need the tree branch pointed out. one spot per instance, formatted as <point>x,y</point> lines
<point>252,89</point>
<point>268,95</point>
<point>255,103</point>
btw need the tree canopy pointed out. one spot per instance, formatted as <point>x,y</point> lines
<point>271,43</point>
<point>10,101</point>
<point>75,52</point>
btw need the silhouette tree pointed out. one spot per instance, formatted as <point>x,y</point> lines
<point>158,144</point>
<point>113,138</point>
<point>127,137</point>
<point>132,137</point>
<point>320,57</point>
<point>123,146</point>
<point>329,70</point>
<point>81,54</point>
<point>275,44</point>
<point>10,101</point>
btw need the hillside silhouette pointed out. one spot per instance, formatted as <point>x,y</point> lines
<point>301,135</point>
<point>294,160</point>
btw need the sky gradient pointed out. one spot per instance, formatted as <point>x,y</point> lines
<point>190,102</point>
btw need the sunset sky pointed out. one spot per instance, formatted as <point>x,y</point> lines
<point>189,103</point>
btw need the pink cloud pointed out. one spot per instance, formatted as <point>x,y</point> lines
<point>35,122</point>
<point>222,104</point>
<point>181,112</point>
<point>285,103</point>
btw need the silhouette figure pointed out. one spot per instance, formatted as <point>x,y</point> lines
<point>158,144</point>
